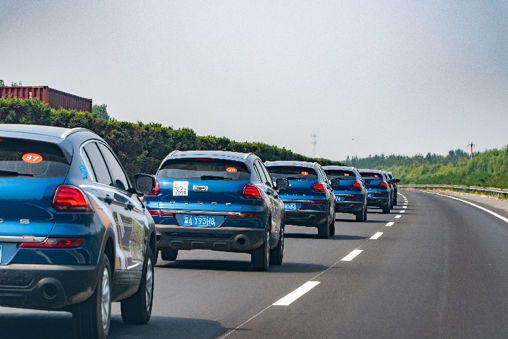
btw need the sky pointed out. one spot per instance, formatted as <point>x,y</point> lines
<point>367,77</point>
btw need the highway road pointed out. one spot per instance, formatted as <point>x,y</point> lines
<point>435,267</point>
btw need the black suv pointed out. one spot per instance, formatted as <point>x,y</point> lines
<point>74,236</point>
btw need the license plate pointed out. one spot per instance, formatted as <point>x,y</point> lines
<point>198,220</point>
<point>370,195</point>
<point>290,206</point>
<point>339,198</point>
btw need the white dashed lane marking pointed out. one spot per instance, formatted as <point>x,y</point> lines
<point>397,216</point>
<point>403,211</point>
<point>351,255</point>
<point>288,299</point>
<point>390,224</point>
<point>377,235</point>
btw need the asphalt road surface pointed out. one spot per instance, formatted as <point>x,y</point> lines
<point>435,267</point>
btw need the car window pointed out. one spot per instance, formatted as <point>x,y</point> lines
<point>340,174</point>
<point>266,179</point>
<point>372,176</point>
<point>204,169</point>
<point>293,173</point>
<point>98,164</point>
<point>119,178</point>
<point>31,159</point>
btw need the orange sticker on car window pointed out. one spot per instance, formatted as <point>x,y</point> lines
<point>346,174</point>
<point>304,173</point>
<point>32,158</point>
<point>231,170</point>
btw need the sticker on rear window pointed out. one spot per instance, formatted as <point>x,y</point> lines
<point>231,170</point>
<point>304,173</point>
<point>346,174</point>
<point>180,188</point>
<point>32,158</point>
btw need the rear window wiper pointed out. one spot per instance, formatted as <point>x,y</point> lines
<point>14,174</point>
<point>214,177</point>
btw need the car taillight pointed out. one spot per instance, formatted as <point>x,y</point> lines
<point>383,184</point>
<point>156,189</point>
<point>69,198</point>
<point>315,202</point>
<point>318,187</point>
<point>356,184</point>
<point>160,213</point>
<point>242,216</point>
<point>55,243</point>
<point>251,192</point>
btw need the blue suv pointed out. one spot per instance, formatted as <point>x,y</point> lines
<point>350,191</point>
<point>74,236</point>
<point>217,200</point>
<point>379,190</point>
<point>309,200</point>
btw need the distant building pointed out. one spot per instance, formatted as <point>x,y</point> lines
<point>54,98</point>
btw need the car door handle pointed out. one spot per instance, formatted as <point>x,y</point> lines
<point>108,199</point>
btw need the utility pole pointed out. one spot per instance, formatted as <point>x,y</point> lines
<point>471,145</point>
<point>314,142</point>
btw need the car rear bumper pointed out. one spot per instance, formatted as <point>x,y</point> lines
<point>306,218</point>
<point>46,287</point>
<point>378,201</point>
<point>229,239</point>
<point>348,206</point>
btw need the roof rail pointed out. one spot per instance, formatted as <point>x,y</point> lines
<point>72,131</point>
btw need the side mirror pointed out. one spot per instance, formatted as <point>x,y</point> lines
<point>144,183</point>
<point>282,183</point>
<point>397,180</point>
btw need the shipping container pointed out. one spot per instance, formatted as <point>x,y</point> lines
<point>54,98</point>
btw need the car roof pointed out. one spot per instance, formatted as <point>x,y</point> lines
<point>339,168</point>
<point>212,154</point>
<point>47,131</point>
<point>292,163</point>
<point>370,170</point>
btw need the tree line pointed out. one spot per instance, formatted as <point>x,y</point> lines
<point>140,147</point>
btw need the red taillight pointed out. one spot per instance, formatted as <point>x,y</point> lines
<point>156,189</point>
<point>316,202</point>
<point>160,213</point>
<point>242,216</point>
<point>383,184</point>
<point>251,192</point>
<point>318,187</point>
<point>356,184</point>
<point>69,198</point>
<point>54,243</point>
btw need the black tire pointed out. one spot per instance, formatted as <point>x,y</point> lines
<point>91,318</point>
<point>365,213</point>
<point>169,254</point>
<point>395,201</point>
<point>260,257</point>
<point>386,209</point>
<point>277,253</point>
<point>324,230</point>
<point>332,228</point>
<point>361,215</point>
<point>137,309</point>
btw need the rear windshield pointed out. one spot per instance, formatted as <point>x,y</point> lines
<point>340,174</point>
<point>292,173</point>
<point>31,159</point>
<point>372,175</point>
<point>204,169</point>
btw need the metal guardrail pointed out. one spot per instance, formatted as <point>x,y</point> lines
<point>474,189</point>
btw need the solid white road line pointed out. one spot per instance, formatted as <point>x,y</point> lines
<point>398,216</point>
<point>475,205</point>
<point>390,224</point>
<point>377,235</point>
<point>288,299</point>
<point>351,255</point>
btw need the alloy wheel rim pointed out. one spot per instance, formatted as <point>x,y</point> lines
<point>106,299</point>
<point>149,284</point>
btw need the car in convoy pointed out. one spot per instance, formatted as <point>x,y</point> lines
<point>393,182</point>
<point>74,235</point>
<point>309,199</point>
<point>379,191</point>
<point>349,189</point>
<point>217,200</point>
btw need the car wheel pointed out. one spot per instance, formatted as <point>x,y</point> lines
<point>395,201</point>
<point>277,254</point>
<point>260,257</point>
<point>91,318</point>
<point>324,230</point>
<point>386,209</point>
<point>332,228</point>
<point>365,219</point>
<point>169,254</point>
<point>360,215</point>
<point>137,309</point>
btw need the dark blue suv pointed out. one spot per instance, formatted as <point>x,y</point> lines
<point>74,236</point>
<point>220,201</point>
<point>379,190</point>
<point>309,200</point>
<point>349,189</point>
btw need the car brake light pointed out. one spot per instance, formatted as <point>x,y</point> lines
<point>251,192</point>
<point>318,187</point>
<point>383,184</point>
<point>315,202</point>
<point>160,213</point>
<point>54,243</point>
<point>69,198</point>
<point>242,216</point>
<point>356,184</point>
<point>156,189</point>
